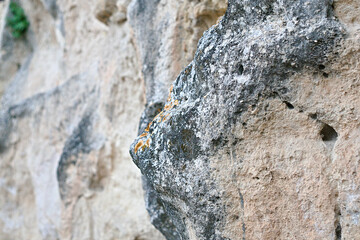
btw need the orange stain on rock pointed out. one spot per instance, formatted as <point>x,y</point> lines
<point>168,107</point>
<point>147,142</point>
<point>166,117</point>
<point>171,88</point>
<point>138,145</point>
<point>148,127</point>
<point>144,134</point>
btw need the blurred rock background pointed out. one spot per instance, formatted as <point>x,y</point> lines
<point>72,92</point>
<point>74,87</point>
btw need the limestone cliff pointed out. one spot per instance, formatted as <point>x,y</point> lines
<point>72,84</point>
<point>72,90</point>
<point>258,138</point>
<point>252,133</point>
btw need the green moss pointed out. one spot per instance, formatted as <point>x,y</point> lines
<point>17,20</point>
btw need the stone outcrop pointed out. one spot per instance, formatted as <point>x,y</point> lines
<point>158,34</point>
<point>258,138</point>
<point>72,92</point>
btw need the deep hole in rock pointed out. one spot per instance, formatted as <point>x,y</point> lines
<point>338,229</point>
<point>321,67</point>
<point>328,133</point>
<point>241,69</point>
<point>338,232</point>
<point>325,75</point>
<point>313,116</point>
<point>289,105</point>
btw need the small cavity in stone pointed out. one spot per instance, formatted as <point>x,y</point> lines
<point>338,229</point>
<point>313,116</point>
<point>241,69</point>
<point>328,133</point>
<point>338,232</point>
<point>289,105</point>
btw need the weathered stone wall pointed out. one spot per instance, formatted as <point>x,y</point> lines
<point>259,136</point>
<point>72,91</point>
<point>65,129</point>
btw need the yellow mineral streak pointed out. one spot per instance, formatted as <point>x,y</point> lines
<point>138,145</point>
<point>148,127</point>
<point>147,144</point>
<point>168,107</point>
<point>170,91</point>
<point>144,134</point>
<point>166,117</point>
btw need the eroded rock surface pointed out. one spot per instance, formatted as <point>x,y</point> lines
<point>163,27</point>
<point>259,136</point>
<point>71,92</point>
<point>257,140</point>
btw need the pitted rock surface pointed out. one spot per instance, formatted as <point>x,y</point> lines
<point>249,58</point>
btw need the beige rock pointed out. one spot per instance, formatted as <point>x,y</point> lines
<point>297,177</point>
<point>89,68</point>
<point>76,90</point>
<point>284,165</point>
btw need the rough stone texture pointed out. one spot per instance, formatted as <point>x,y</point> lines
<point>163,27</point>
<point>257,140</point>
<point>259,136</point>
<point>71,92</point>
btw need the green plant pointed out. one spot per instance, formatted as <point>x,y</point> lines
<point>17,20</point>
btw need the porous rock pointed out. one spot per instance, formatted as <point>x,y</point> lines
<point>258,138</point>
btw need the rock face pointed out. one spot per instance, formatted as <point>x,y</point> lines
<point>258,138</point>
<point>65,130</point>
<point>72,92</point>
<point>157,34</point>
